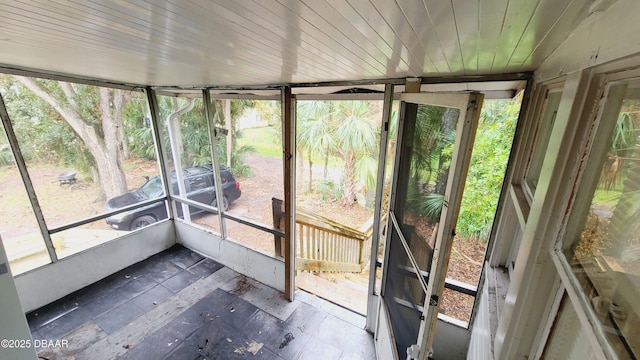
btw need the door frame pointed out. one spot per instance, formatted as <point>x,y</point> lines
<point>469,105</point>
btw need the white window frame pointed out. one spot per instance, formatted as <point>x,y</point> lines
<point>591,130</point>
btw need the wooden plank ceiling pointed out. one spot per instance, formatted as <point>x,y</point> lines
<point>266,42</point>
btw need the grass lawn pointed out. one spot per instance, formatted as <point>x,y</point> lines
<point>266,141</point>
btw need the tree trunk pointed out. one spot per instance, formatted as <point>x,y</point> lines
<point>449,120</point>
<point>174,123</point>
<point>120,101</point>
<point>110,168</point>
<point>326,167</point>
<point>300,163</point>
<point>104,148</point>
<point>349,176</point>
<point>310,173</point>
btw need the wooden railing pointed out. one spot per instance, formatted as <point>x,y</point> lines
<point>325,245</point>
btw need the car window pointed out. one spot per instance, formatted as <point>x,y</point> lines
<point>152,188</point>
<point>197,183</point>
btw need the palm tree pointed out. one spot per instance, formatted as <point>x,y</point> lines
<point>314,132</point>
<point>355,137</point>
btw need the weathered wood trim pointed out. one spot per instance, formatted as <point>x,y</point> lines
<point>329,266</point>
<point>288,121</point>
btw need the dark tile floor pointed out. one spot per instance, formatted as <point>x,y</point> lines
<point>180,305</point>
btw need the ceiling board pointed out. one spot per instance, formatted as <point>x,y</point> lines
<point>561,29</point>
<point>517,18</point>
<point>191,43</point>
<point>445,33</point>
<point>467,20</point>
<point>542,21</point>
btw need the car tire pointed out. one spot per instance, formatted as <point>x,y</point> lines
<point>141,221</point>
<point>225,203</point>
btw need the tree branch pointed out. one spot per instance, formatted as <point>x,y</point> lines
<point>69,92</point>
<point>84,130</point>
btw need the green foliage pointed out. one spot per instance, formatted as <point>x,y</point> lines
<point>5,150</point>
<point>329,191</point>
<point>266,141</point>
<point>432,149</point>
<point>5,156</point>
<point>624,135</point>
<point>141,142</point>
<point>137,122</point>
<point>486,171</point>
<point>269,111</point>
<point>50,138</point>
<point>342,130</point>
<point>429,205</point>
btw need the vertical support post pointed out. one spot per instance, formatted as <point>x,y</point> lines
<point>465,136</point>
<point>405,113</point>
<point>377,212</point>
<point>289,158</point>
<point>161,151</point>
<point>175,151</point>
<point>208,113</point>
<point>277,210</point>
<point>231,135</point>
<point>26,179</point>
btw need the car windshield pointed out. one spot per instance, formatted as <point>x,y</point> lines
<point>152,189</point>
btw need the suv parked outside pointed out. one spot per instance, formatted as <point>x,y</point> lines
<point>199,185</point>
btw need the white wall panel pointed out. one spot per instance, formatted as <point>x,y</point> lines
<point>54,281</point>
<point>252,263</point>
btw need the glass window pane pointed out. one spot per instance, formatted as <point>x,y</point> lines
<point>19,229</point>
<point>456,305</point>
<point>87,148</point>
<point>542,139</point>
<point>568,340</point>
<point>80,238</point>
<point>429,150</point>
<point>404,296</point>
<point>251,152</point>
<point>483,185</point>
<point>186,137</point>
<point>603,245</point>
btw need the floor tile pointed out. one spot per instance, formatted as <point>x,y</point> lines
<point>283,340</point>
<point>136,286</point>
<point>350,339</point>
<point>200,344</point>
<point>116,318</point>
<point>152,297</point>
<point>128,356</point>
<point>52,311</point>
<point>237,313</point>
<point>156,346</point>
<point>55,330</point>
<point>180,281</point>
<point>306,319</point>
<point>100,301</point>
<point>183,257</point>
<point>236,345</point>
<point>157,267</point>
<point>240,318</point>
<point>205,268</point>
<point>318,349</point>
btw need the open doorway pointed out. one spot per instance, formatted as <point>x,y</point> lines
<point>337,152</point>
